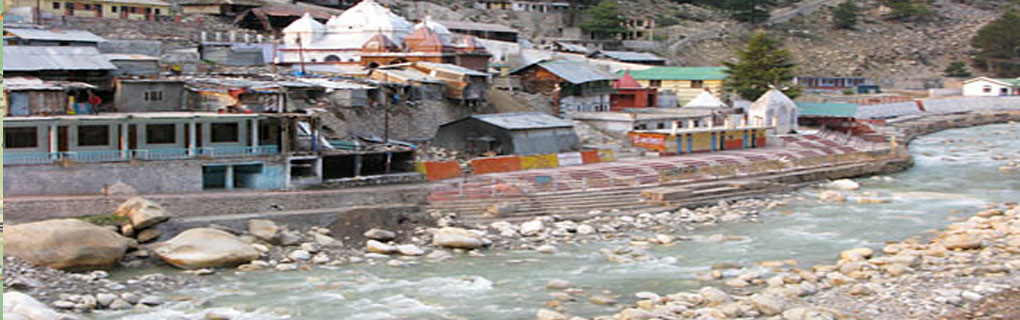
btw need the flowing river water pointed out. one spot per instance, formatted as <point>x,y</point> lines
<point>954,174</point>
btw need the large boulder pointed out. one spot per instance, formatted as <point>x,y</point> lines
<point>962,242</point>
<point>457,238</point>
<point>263,229</point>
<point>205,248</point>
<point>66,244</point>
<point>142,213</point>
<point>18,305</point>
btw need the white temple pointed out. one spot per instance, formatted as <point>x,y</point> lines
<point>342,37</point>
<point>706,100</point>
<point>774,107</point>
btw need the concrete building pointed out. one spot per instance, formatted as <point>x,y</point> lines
<point>774,109</point>
<point>462,84</point>
<point>149,95</point>
<point>631,95</point>
<point>229,8</point>
<point>481,30</point>
<point>831,116</point>
<point>991,87</point>
<point>639,29</point>
<point>524,6</point>
<point>109,9</point>
<point>817,83</point>
<point>76,64</point>
<point>618,124</point>
<point>733,136</point>
<point>31,96</point>
<point>522,133</point>
<point>686,82</point>
<point>644,58</point>
<point>574,86</point>
<point>134,65</point>
<point>55,38</point>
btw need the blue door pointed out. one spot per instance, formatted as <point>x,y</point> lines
<point>713,145</point>
<point>680,145</point>
<point>19,103</point>
<point>747,144</point>
<point>690,141</point>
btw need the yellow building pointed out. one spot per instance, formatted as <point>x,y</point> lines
<point>686,82</point>
<point>110,9</point>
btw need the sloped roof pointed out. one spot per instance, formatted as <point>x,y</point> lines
<point>827,109</point>
<point>569,47</point>
<point>54,35</point>
<point>681,73</point>
<point>305,24</point>
<point>30,58</point>
<point>706,99</point>
<point>632,56</point>
<point>124,56</point>
<point>772,99</point>
<point>521,120</point>
<point>1014,82</point>
<point>626,82</point>
<point>451,68</point>
<point>575,72</point>
<point>380,43</point>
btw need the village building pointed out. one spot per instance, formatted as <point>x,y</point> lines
<point>488,31</point>
<point>229,8</point>
<point>409,83</point>
<point>134,65</point>
<point>630,94</point>
<point>55,38</point>
<point>75,64</point>
<point>149,95</point>
<point>686,82</point>
<point>991,87</point>
<point>774,109</point>
<point>817,83</point>
<point>677,141</point>
<point>644,58</point>
<point>639,29</point>
<point>273,18</point>
<point>462,84</point>
<point>619,123</point>
<point>524,6</point>
<point>828,115</point>
<point>574,86</point>
<point>109,9</point>
<point>26,96</point>
<point>519,133</point>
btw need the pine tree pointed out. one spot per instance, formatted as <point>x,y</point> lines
<point>998,44</point>
<point>763,62</point>
<point>604,20</point>
<point>844,15</point>
<point>957,69</point>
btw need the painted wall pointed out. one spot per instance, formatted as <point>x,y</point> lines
<point>130,96</point>
<point>978,89</point>
<point>684,92</point>
<point>107,8</point>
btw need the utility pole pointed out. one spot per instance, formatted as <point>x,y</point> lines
<point>301,54</point>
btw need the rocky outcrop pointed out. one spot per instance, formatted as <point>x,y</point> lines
<point>205,248</point>
<point>65,244</point>
<point>142,213</point>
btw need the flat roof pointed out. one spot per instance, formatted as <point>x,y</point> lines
<point>54,35</point>
<point>34,58</point>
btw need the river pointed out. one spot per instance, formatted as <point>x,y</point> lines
<point>954,174</point>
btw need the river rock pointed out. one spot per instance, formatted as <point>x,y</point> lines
<point>105,299</point>
<point>557,284</point>
<point>263,229</point>
<point>65,244</point>
<point>374,246</point>
<point>713,296</point>
<point>457,238</point>
<point>142,213</point>
<point>410,250</point>
<point>327,241</point>
<point>636,314</point>
<point>585,229</point>
<point>602,300</point>
<point>802,313</point>
<point>856,254</point>
<point>844,184</point>
<point>766,304</point>
<point>21,305</point>
<point>962,242</point>
<point>300,255</point>
<point>532,228</point>
<point>152,300</point>
<point>120,304</point>
<point>205,248</point>
<point>149,235</point>
<point>546,314</point>
<point>501,209</point>
<point>547,249</point>
<point>289,238</point>
<point>380,235</point>
<point>831,196</point>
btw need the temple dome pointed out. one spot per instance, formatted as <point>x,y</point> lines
<point>306,24</point>
<point>370,16</point>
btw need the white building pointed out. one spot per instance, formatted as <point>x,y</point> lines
<point>774,107</point>
<point>706,100</point>
<point>990,87</point>
<point>341,38</point>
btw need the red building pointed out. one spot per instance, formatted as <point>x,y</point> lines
<point>629,94</point>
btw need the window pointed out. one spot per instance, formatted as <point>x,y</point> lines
<point>153,96</point>
<point>56,5</point>
<point>160,133</point>
<point>697,83</point>
<point>88,7</point>
<point>986,89</point>
<point>113,8</point>
<point>69,6</point>
<point>21,138</point>
<point>99,7</point>
<point>655,83</point>
<point>225,132</point>
<point>93,135</point>
<point>148,10</point>
<point>157,12</point>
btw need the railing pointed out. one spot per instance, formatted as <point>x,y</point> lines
<point>160,154</point>
<point>94,156</point>
<point>30,158</point>
<point>219,152</point>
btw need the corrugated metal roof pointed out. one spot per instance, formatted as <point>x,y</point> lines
<point>827,109</point>
<point>1014,82</point>
<point>122,56</point>
<point>337,84</point>
<point>408,74</point>
<point>632,56</point>
<point>54,35</point>
<point>452,68</point>
<point>523,120</point>
<point>148,2</point>
<point>468,25</point>
<point>680,73</point>
<point>575,72</point>
<point>31,84</point>
<point>573,47</point>
<point>27,58</point>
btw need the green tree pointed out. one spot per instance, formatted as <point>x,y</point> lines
<point>753,11</point>
<point>604,20</point>
<point>909,10</point>
<point>998,44</point>
<point>957,69</point>
<point>763,62</point>
<point>844,15</point>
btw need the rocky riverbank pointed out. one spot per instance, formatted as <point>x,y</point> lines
<point>948,276</point>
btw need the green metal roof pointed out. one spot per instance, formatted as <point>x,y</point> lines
<point>1014,82</point>
<point>827,109</point>
<point>680,73</point>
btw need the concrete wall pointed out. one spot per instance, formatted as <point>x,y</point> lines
<point>144,176</point>
<point>130,96</point>
<point>977,89</point>
<point>144,68</point>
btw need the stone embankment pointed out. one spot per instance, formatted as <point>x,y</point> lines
<point>911,279</point>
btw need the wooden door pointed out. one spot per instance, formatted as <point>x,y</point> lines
<point>63,137</point>
<point>133,136</point>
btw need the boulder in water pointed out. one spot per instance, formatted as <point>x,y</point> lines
<point>205,248</point>
<point>457,238</point>
<point>844,184</point>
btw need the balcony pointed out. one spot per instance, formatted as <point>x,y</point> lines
<point>136,154</point>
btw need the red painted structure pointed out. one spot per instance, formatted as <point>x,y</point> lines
<point>630,94</point>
